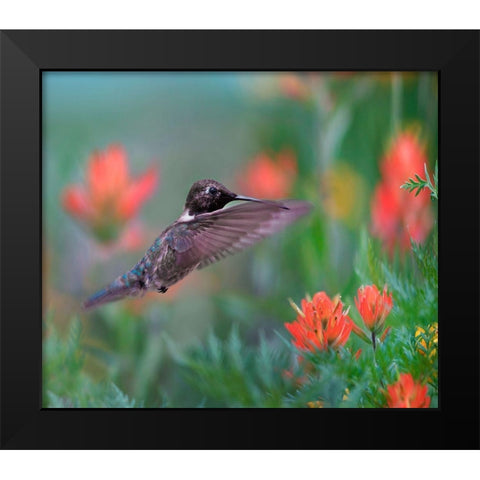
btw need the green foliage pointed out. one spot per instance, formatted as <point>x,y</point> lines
<point>418,183</point>
<point>134,352</point>
<point>66,384</point>
<point>230,374</point>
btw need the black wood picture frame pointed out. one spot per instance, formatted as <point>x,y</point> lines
<point>25,425</point>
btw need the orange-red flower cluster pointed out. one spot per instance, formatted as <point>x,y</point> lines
<point>110,197</point>
<point>321,323</point>
<point>294,86</point>
<point>397,214</point>
<point>406,393</point>
<point>373,306</point>
<point>269,177</point>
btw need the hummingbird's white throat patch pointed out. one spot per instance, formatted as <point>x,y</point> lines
<point>185,216</point>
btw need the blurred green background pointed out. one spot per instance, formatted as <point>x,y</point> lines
<point>337,126</point>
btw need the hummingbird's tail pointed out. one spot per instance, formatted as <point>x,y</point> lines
<point>126,285</point>
<point>107,294</point>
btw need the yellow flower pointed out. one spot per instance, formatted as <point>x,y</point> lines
<point>342,191</point>
<point>316,404</point>
<point>427,343</point>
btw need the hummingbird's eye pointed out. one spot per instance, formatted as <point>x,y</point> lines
<point>212,190</point>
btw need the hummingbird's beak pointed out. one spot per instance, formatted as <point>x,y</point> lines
<point>266,202</point>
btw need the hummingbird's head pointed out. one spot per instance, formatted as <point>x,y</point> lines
<point>209,195</point>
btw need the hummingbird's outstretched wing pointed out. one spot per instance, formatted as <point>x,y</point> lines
<point>212,236</point>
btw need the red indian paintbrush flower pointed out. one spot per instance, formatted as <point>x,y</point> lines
<point>110,197</point>
<point>266,177</point>
<point>398,215</point>
<point>406,393</point>
<point>294,86</point>
<point>321,323</point>
<point>373,306</point>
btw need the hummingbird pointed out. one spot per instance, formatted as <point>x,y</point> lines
<point>204,233</point>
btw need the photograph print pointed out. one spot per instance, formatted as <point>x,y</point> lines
<point>228,239</point>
